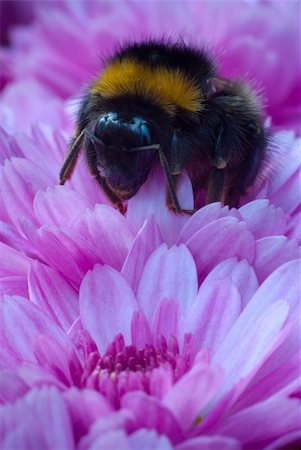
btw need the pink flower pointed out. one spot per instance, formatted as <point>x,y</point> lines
<point>149,330</point>
<point>254,40</point>
<point>153,341</point>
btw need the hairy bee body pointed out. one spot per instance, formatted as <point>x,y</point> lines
<point>161,102</point>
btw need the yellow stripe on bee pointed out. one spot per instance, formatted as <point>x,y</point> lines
<point>166,87</point>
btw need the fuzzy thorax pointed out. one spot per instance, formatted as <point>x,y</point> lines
<point>169,88</point>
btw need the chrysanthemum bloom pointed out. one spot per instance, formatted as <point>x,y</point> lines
<point>195,340</point>
<point>146,331</point>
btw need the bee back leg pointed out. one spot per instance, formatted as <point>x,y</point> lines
<point>242,177</point>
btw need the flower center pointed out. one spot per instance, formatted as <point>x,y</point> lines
<point>124,368</point>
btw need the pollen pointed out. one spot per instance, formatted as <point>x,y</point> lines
<point>166,87</point>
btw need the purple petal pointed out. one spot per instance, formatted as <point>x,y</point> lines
<point>212,314</point>
<point>110,440</point>
<point>271,252</point>
<point>155,415</point>
<point>93,406</point>
<point>58,206</point>
<point>278,371</point>
<point>240,272</point>
<point>23,322</point>
<point>166,319</point>
<point>12,386</point>
<point>255,343</point>
<point>263,219</point>
<point>10,236</point>
<point>219,240</point>
<point>107,231</point>
<point>192,392</point>
<point>210,443</point>
<point>148,439</point>
<point>121,420</point>
<point>107,304</point>
<point>13,263</point>
<point>263,422</point>
<point>169,273</point>
<point>66,251</point>
<point>290,440</point>
<point>50,291</point>
<point>14,286</point>
<point>21,180</point>
<point>146,241</point>
<point>161,380</point>
<point>203,217</point>
<point>38,420</point>
<point>150,201</point>
<point>63,364</point>
<point>141,334</point>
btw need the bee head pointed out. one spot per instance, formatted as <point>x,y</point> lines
<point>124,168</point>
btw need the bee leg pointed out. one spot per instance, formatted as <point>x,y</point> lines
<point>169,201</point>
<point>71,158</point>
<point>109,193</point>
<point>243,177</point>
<point>216,185</point>
<point>172,201</point>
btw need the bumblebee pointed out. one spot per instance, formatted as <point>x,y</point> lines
<point>157,102</point>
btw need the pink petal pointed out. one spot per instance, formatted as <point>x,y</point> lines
<point>110,440</point>
<point>263,219</point>
<point>278,371</point>
<point>169,273</point>
<point>58,206</point>
<point>66,251</point>
<point>12,386</point>
<point>220,239</point>
<point>121,420</point>
<point>107,231</point>
<point>10,236</point>
<point>240,272</point>
<point>161,380</point>
<point>148,439</point>
<point>210,443</point>
<point>155,415</point>
<point>290,440</point>
<point>21,180</point>
<point>63,364</point>
<point>38,420</point>
<point>281,284</point>
<point>14,286</point>
<point>13,263</point>
<point>166,319</point>
<point>141,334</point>
<point>107,304</point>
<point>192,392</point>
<point>202,217</point>
<point>23,322</point>
<point>146,241</point>
<point>264,421</point>
<point>93,406</point>
<point>271,252</point>
<point>50,291</point>
<point>255,343</point>
<point>212,314</point>
<point>150,201</point>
